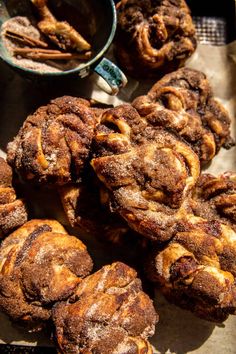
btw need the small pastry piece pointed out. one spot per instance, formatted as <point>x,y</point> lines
<point>183,102</point>
<point>54,142</point>
<point>215,198</point>
<point>153,37</point>
<point>39,265</point>
<point>59,32</point>
<point>108,314</point>
<point>197,269</point>
<point>149,172</point>
<point>13,211</point>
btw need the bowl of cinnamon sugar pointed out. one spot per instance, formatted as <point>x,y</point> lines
<point>54,39</point>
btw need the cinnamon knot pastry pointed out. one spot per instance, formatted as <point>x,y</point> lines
<point>153,37</point>
<point>183,103</point>
<point>197,269</point>
<point>215,198</point>
<point>39,265</point>
<point>148,172</point>
<point>108,313</point>
<point>54,142</point>
<point>13,211</point>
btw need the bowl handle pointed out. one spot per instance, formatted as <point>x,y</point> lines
<point>109,77</point>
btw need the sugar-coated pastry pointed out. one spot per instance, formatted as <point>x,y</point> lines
<point>54,142</point>
<point>197,269</point>
<point>148,172</point>
<point>40,264</point>
<point>153,37</point>
<point>183,102</point>
<point>108,314</point>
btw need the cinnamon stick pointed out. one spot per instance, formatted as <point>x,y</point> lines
<point>36,50</point>
<point>23,38</point>
<point>47,54</point>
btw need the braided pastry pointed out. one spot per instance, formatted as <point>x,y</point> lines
<point>197,269</point>
<point>39,265</point>
<point>108,313</point>
<point>148,171</point>
<point>183,103</point>
<point>54,142</point>
<point>153,37</point>
<point>13,212</point>
<point>215,198</point>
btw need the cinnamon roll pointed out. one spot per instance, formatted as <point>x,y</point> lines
<point>153,37</point>
<point>197,269</point>
<point>40,264</point>
<point>108,313</point>
<point>54,142</point>
<point>148,172</point>
<point>183,102</point>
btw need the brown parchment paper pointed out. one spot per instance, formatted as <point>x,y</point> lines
<point>178,331</point>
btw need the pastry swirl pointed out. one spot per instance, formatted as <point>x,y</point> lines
<point>39,265</point>
<point>153,37</point>
<point>183,102</point>
<point>197,269</point>
<point>148,172</point>
<point>54,142</point>
<point>108,313</point>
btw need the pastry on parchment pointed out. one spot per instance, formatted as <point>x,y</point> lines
<point>40,264</point>
<point>107,314</point>
<point>197,269</point>
<point>148,172</point>
<point>183,102</point>
<point>153,37</point>
<point>54,142</point>
<point>13,211</point>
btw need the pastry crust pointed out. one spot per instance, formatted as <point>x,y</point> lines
<point>13,211</point>
<point>148,171</point>
<point>153,37</point>
<point>108,313</point>
<point>197,269</point>
<point>54,142</point>
<point>183,102</point>
<point>40,264</point>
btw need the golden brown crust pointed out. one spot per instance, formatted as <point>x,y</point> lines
<point>54,142</point>
<point>39,265</point>
<point>197,269</point>
<point>109,313</point>
<point>153,38</point>
<point>183,102</point>
<point>13,211</point>
<point>148,171</point>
